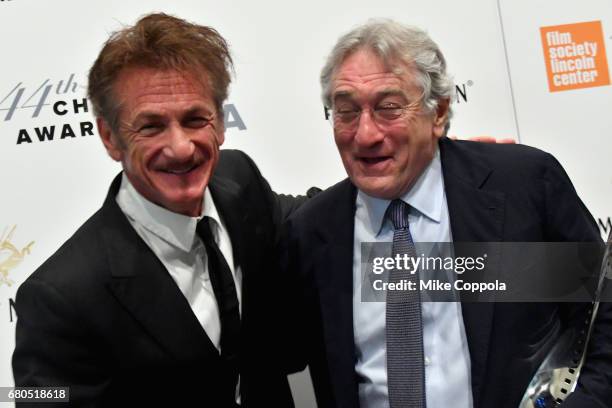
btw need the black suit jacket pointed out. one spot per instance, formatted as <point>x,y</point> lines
<point>494,193</point>
<point>104,317</point>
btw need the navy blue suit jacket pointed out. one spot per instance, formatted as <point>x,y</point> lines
<point>495,193</point>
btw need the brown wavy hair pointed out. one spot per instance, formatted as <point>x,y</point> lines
<point>160,41</point>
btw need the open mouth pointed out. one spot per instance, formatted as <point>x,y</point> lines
<point>181,170</point>
<point>374,160</point>
<point>374,165</point>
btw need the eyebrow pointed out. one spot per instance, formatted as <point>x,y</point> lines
<point>198,110</point>
<point>342,95</point>
<point>151,115</point>
<point>146,116</point>
<point>348,94</point>
<point>391,92</point>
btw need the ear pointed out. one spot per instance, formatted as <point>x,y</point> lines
<point>113,148</point>
<point>220,132</point>
<point>441,117</point>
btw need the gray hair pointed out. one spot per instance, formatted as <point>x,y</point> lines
<point>398,46</point>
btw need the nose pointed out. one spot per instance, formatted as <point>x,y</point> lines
<point>368,133</point>
<point>179,145</point>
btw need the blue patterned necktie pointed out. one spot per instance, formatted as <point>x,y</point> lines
<point>404,329</point>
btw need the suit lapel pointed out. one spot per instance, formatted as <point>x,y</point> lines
<point>334,279</point>
<point>226,194</point>
<point>476,215</point>
<point>244,231</point>
<point>142,284</point>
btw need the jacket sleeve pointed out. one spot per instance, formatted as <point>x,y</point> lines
<point>569,220</point>
<point>281,205</point>
<point>289,204</point>
<point>283,288</point>
<point>295,312</point>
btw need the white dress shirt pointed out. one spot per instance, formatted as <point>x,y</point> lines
<point>446,354</point>
<point>172,238</point>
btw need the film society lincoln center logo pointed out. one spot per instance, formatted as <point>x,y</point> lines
<point>575,56</point>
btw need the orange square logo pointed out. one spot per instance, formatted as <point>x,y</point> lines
<point>575,56</point>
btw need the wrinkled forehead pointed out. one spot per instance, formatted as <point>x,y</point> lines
<point>138,79</point>
<point>364,69</point>
<point>138,86</point>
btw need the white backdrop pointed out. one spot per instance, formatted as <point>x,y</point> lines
<point>493,47</point>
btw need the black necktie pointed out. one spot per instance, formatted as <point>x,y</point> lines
<point>225,292</point>
<point>404,331</point>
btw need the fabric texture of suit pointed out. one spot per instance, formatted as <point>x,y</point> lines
<point>104,317</point>
<point>494,193</point>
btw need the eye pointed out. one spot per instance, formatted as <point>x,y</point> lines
<point>388,105</point>
<point>196,122</point>
<point>389,110</point>
<point>346,112</point>
<point>150,128</point>
<point>346,109</point>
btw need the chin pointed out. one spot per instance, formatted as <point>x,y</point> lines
<point>377,187</point>
<point>377,192</point>
<point>190,209</point>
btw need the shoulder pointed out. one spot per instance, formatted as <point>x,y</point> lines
<point>501,153</point>
<point>238,175</point>
<point>533,183</point>
<point>510,162</point>
<point>235,164</point>
<point>80,263</point>
<point>326,206</point>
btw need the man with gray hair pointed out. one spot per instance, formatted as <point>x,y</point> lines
<point>387,94</point>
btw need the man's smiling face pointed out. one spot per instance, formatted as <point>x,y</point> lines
<point>168,136</point>
<point>383,157</point>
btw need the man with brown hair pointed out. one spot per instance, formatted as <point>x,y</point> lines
<point>152,299</point>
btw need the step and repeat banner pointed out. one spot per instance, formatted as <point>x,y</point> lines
<point>534,71</point>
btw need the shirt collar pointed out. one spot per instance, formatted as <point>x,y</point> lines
<point>426,197</point>
<point>176,229</point>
